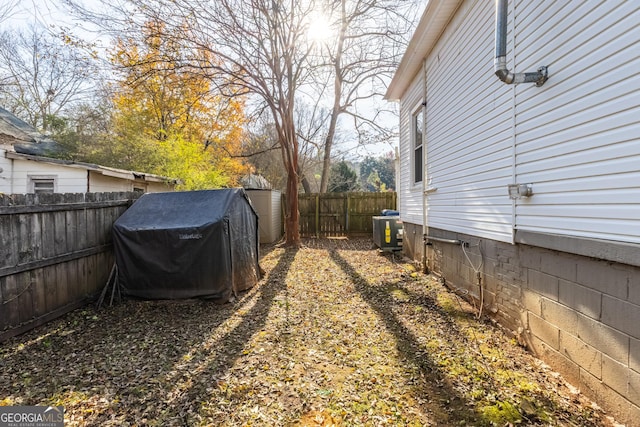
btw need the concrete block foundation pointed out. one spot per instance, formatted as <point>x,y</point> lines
<point>579,314</point>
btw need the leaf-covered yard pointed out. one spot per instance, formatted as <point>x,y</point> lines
<point>335,334</point>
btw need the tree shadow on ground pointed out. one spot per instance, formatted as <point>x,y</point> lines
<point>446,406</point>
<point>213,359</point>
<point>141,362</point>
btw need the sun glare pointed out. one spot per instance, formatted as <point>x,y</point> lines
<point>319,29</point>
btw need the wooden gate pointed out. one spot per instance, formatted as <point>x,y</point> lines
<point>341,214</point>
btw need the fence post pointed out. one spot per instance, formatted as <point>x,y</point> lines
<point>346,220</point>
<point>317,215</point>
<point>59,254</point>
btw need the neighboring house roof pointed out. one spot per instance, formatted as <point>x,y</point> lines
<point>255,182</point>
<point>434,20</point>
<point>29,144</point>
<point>103,170</point>
<point>23,137</point>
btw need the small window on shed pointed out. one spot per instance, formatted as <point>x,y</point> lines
<point>39,184</point>
<point>417,138</point>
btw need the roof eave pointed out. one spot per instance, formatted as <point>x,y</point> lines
<point>103,170</point>
<point>434,20</point>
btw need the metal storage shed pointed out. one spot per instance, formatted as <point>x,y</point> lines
<point>188,244</point>
<point>267,205</point>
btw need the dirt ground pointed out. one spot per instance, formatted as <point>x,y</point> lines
<point>336,333</point>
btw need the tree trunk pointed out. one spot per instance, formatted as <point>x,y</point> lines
<point>305,185</point>
<point>292,213</point>
<point>289,146</point>
<point>337,108</point>
<point>326,161</point>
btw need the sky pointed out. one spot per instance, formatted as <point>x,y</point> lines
<point>43,12</point>
<point>52,15</point>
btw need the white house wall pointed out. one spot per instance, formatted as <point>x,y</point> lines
<point>575,139</point>
<point>469,130</point>
<point>158,187</point>
<point>67,180</point>
<point>102,183</point>
<point>578,137</point>
<point>409,194</point>
<point>14,178</point>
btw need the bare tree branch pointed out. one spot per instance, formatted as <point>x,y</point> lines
<point>42,76</point>
<point>8,9</point>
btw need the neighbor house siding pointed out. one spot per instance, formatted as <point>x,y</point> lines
<point>17,173</point>
<point>100,183</point>
<point>68,180</point>
<point>578,137</point>
<point>469,130</point>
<point>105,183</point>
<point>410,202</point>
<point>157,187</point>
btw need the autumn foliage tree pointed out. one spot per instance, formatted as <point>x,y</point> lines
<point>265,48</point>
<point>167,118</point>
<point>265,51</point>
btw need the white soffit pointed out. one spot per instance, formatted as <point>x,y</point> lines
<point>434,20</point>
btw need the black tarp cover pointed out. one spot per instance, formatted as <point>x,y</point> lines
<point>188,244</point>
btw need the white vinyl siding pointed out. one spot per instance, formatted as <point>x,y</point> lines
<point>18,176</point>
<point>67,180</point>
<point>578,139</point>
<point>469,130</point>
<point>409,192</point>
<point>100,183</point>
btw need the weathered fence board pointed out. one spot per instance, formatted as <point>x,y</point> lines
<point>55,254</point>
<point>340,214</point>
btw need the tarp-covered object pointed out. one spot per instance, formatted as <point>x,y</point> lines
<point>188,244</point>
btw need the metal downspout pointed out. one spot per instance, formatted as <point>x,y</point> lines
<point>500,64</point>
<point>425,269</point>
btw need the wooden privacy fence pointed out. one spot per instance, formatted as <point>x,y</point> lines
<point>340,214</point>
<point>55,254</point>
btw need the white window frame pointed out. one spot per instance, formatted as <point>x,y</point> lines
<point>417,176</point>
<point>35,179</point>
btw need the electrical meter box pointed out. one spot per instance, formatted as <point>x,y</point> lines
<point>388,232</point>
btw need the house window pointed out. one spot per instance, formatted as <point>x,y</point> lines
<point>40,184</point>
<point>417,146</point>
